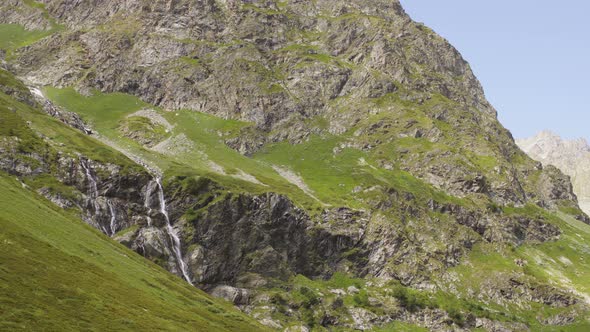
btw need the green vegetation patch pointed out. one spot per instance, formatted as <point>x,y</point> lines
<point>198,142</point>
<point>143,130</point>
<point>46,181</point>
<point>24,122</point>
<point>15,36</point>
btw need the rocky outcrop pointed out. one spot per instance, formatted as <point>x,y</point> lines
<point>267,72</point>
<point>266,235</point>
<point>106,196</point>
<point>237,296</point>
<point>518,289</point>
<point>498,228</point>
<point>19,12</point>
<point>69,118</point>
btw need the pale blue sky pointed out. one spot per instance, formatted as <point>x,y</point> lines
<point>532,57</point>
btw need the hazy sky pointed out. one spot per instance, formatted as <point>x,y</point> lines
<point>531,56</point>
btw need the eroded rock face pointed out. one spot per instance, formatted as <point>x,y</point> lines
<point>247,44</point>
<point>265,235</point>
<point>103,192</point>
<point>17,12</point>
<point>494,227</point>
<point>279,67</point>
<point>490,325</point>
<point>237,296</point>
<point>69,118</point>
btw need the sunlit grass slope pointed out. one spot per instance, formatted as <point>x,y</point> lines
<point>331,178</point>
<point>14,36</point>
<point>107,112</point>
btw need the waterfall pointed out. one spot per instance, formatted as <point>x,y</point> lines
<point>148,201</point>
<point>37,92</point>
<point>172,233</point>
<point>93,189</point>
<point>113,218</point>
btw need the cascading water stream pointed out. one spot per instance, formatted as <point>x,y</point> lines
<point>92,189</point>
<point>148,202</point>
<point>113,218</point>
<point>172,233</point>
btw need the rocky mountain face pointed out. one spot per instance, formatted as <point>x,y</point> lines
<point>260,62</point>
<point>572,157</point>
<point>420,189</point>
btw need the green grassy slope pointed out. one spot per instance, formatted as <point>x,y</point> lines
<point>108,112</point>
<point>57,273</point>
<point>14,36</point>
<point>27,123</point>
<point>331,178</point>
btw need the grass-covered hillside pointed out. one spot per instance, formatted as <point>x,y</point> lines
<point>184,142</point>
<point>59,274</point>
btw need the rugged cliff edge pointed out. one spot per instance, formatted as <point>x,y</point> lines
<point>321,164</point>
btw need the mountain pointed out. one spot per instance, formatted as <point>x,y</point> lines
<point>571,157</point>
<point>324,165</point>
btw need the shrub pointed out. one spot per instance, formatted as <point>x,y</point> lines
<point>195,186</point>
<point>361,299</point>
<point>310,298</point>
<point>456,316</point>
<point>412,300</point>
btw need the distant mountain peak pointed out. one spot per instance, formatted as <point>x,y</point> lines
<point>547,133</point>
<point>571,156</point>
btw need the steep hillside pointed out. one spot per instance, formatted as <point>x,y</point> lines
<point>324,164</point>
<point>571,157</point>
<point>57,272</point>
<point>60,274</point>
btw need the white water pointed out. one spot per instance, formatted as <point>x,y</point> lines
<point>113,218</point>
<point>37,92</point>
<point>148,202</point>
<point>93,193</point>
<point>172,233</point>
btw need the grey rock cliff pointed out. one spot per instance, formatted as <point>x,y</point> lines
<point>237,54</point>
<point>261,61</point>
